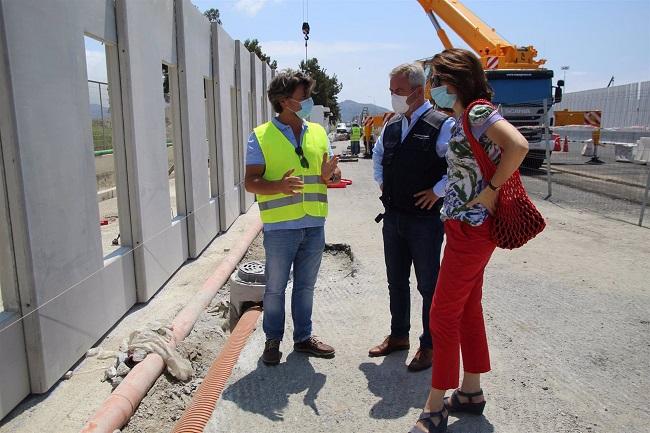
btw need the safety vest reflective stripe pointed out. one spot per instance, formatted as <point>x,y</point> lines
<point>280,156</point>
<point>294,199</point>
<point>313,179</point>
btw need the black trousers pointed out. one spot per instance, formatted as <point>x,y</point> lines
<point>411,240</point>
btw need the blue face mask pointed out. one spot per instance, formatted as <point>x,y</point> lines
<point>306,107</point>
<point>442,98</point>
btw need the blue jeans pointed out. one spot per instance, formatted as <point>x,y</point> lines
<point>411,240</point>
<point>302,248</point>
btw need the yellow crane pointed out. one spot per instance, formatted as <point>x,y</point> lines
<point>495,52</point>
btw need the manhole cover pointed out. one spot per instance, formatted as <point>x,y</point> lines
<point>252,272</point>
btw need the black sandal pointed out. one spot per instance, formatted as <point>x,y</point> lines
<point>453,403</point>
<point>426,417</point>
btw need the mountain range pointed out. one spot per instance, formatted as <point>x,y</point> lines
<point>351,109</point>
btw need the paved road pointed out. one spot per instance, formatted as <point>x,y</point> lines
<point>568,321</point>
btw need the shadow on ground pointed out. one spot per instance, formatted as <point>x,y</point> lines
<point>470,424</point>
<point>398,389</point>
<point>266,390</point>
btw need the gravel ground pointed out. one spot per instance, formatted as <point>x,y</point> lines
<point>168,398</point>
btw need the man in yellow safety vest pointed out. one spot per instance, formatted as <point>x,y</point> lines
<point>288,164</point>
<point>355,139</point>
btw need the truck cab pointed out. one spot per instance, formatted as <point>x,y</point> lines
<point>520,96</point>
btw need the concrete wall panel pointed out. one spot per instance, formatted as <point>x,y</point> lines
<point>148,38</point>
<point>257,87</point>
<point>644,104</point>
<point>51,183</point>
<point>622,106</point>
<point>13,364</point>
<point>268,108</point>
<point>226,114</point>
<point>14,375</point>
<point>244,110</point>
<point>194,57</point>
<point>69,293</point>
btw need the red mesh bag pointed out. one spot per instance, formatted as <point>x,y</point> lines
<point>516,220</point>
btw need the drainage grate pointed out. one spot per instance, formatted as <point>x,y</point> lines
<point>252,272</point>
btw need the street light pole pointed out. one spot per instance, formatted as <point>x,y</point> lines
<point>564,68</point>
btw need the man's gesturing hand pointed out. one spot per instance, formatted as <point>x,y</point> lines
<point>329,167</point>
<point>291,185</point>
<point>426,199</point>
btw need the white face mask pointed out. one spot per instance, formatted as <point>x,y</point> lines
<point>400,106</point>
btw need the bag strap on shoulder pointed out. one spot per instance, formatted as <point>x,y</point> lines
<point>486,165</point>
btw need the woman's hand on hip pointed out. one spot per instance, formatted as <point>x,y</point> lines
<point>488,198</point>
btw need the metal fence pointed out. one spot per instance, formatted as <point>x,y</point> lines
<point>625,106</point>
<point>100,114</point>
<point>611,179</point>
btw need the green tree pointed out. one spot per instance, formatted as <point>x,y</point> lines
<point>327,87</point>
<point>253,45</point>
<point>213,15</point>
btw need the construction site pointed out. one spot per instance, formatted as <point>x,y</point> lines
<point>132,252</point>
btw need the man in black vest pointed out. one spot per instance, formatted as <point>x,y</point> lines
<point>411,170</point>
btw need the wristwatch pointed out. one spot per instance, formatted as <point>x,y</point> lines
<point>492,187</point>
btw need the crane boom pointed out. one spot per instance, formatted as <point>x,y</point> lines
<point>479,36</point>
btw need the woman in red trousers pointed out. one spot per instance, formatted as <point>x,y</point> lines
<point>456,317</point>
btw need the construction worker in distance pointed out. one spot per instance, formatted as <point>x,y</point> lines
<point>288,164</point>
<point>355,139</point>
<point>367,137</point>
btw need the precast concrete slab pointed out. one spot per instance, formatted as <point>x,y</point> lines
<point>226,116</point>
<point>243,72</point>
<point>195,79</point>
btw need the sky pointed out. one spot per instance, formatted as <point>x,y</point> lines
<point>362,40</point>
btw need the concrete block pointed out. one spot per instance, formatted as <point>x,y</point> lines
<point>642,151</point>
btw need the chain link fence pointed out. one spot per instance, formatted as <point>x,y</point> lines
<point>604,171</point>
<point>100,113</point>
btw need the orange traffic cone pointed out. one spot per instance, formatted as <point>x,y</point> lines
<point>557,143</point>
<point>566,144</point>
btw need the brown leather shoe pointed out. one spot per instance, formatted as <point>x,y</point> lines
<point>315,347</point>
<point>390,345</point>
<point>272,354</point>
<point>421,360</point>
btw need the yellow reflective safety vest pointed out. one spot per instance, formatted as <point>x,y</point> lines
<point>355,134</point>
<point>279,157</point>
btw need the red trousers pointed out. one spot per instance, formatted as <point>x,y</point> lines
<point>456,315</point>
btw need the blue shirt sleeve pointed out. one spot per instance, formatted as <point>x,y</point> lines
<point>377,156</point>
<point>254,155</point>
<point>444,136</point>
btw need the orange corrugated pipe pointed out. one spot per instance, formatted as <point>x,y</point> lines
<point>120,406</point>
<point>198,413</point>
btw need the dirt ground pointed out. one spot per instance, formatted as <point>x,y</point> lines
<point>168,398</point>
<point>70,403</point>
